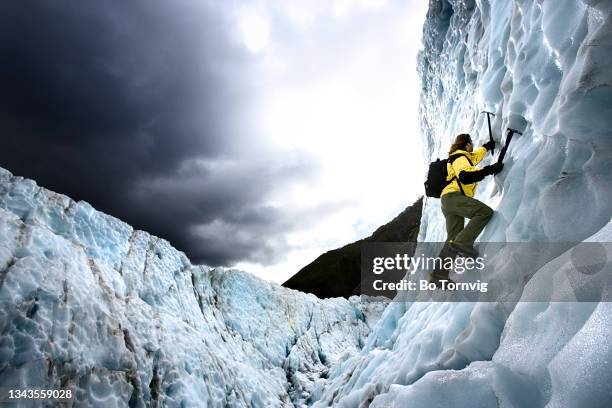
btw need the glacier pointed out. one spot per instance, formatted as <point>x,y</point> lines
<point>123,318</point>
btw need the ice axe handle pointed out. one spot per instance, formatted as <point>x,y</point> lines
<point>489,123</point>
<point>511,132</point>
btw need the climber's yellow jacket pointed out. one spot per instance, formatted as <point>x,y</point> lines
<point>462,164</point>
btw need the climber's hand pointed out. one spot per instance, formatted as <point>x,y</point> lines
<point>490,145</point>
<point>493,168</point>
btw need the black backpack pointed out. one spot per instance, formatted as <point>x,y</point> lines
<point>437,174</point>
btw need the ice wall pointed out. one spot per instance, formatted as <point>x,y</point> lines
<point>542,67</point>
<point>123,318</point>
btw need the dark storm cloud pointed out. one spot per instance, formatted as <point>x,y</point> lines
<point>113,101</point>
<point>237,224</point>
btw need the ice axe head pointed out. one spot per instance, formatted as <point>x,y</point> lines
<point>517,123</point>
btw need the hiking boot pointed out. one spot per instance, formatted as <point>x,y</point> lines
<point>438,275</point>
<point>447,250</point>
<point>466,250</point>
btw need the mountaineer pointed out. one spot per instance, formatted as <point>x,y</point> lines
<point>457,198</point>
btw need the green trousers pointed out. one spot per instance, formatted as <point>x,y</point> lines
<point>456,207</point>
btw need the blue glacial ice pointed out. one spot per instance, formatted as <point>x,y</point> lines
<point>123,318</point>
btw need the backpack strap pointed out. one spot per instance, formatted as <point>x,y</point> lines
<point>455,156</point>
<point>451,159</point>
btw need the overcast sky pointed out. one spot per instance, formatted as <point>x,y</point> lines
<point>250,134</point>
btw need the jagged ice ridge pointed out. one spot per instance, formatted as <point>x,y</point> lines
<point>122,317</point>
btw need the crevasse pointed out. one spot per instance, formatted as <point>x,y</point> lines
<point>125,319</point>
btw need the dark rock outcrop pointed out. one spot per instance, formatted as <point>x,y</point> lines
<point>337,273</point>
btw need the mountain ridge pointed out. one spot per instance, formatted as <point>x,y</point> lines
<point>337,273</point>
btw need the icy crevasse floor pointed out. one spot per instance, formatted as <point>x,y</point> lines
<point>123,318</point>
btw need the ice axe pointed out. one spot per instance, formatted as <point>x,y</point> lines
<point>489,123</point>
<point>502,154</point>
